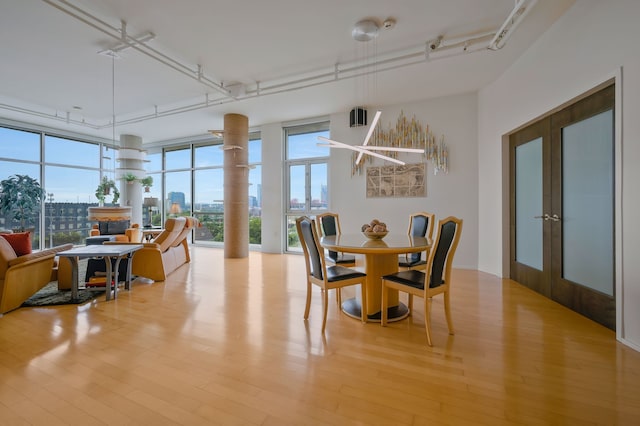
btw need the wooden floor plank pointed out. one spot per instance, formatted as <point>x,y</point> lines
<point>223,341</point>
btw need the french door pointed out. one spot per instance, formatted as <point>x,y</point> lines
<point>562,206</point>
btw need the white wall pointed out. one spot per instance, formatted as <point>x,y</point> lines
<point>583,48</point>
<point>453,194</point>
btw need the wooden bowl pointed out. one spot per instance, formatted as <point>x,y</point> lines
<point>375,235</point>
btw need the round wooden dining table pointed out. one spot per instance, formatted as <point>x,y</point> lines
<point>381,258</point>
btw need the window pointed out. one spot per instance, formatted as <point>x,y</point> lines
<point>177,182</point>
<point>306,175</point>
<point>71,190</point>
<point>19,145</point>
<point>255,191</point>
<point>204,182</point>
<point>57,150</point>
<point>71,175</point>
<point>209,203</point>
<point>187,180</point>
<point>154,163</point>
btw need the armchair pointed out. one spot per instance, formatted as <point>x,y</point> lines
<point>169,250</point>
<point>22,276</point>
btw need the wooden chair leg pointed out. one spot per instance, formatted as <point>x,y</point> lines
<point>383,307</point>
<point>410,303</point>
<point>427,319</point>
<point>306,309</point>
<point>447,311</point>
<point>325,307</point>
<point>363,298</point>
<point>339,296</point>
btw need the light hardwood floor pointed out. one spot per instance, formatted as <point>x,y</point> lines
<point>224,342</point>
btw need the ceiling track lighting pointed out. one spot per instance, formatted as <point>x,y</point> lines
<point>520,10</point>
<point>119,47</point>
<point>437,48</point>
<point>120,34</point>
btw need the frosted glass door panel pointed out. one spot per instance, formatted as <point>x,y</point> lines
<point>529,203</point>
<point>587,202</point>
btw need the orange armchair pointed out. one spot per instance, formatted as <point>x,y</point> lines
<point>22,276</point>
<point>168,251</point>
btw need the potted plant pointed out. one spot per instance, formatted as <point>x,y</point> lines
<point>147,182</point>
<point>104,189</point>
<point>21,197</point>
<point>130,178</point>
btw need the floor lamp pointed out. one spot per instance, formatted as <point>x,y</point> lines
<point>150,203</point>
<point>175,209</point>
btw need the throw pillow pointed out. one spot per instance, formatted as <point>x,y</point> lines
<point>20,242</point>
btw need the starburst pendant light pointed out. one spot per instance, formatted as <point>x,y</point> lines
<point>364,31</point>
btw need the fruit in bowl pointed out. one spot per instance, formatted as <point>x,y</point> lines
<point>374,230</point>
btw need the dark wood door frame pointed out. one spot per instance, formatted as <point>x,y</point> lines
<point>567,293</point>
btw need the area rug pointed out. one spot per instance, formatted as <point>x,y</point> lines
<point>49,295</point>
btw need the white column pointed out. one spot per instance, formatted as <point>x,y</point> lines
<point>131,161</point>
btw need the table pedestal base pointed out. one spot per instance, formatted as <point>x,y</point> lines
<point>353,308</point>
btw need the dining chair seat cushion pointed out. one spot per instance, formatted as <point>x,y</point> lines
<point>341,258</point>
<point>408,263</point>
<point>411,278</point>
<point>338,273</point>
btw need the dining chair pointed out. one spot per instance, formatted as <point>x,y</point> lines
<point>335,276</point>
<point>420,225</point>
<point>435,280</point>
<point>329,224</point>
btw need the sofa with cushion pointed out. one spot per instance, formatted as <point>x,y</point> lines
<point>23,274</point>
<point>168,251</point>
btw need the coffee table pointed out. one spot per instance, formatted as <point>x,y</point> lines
<point>108,252</point>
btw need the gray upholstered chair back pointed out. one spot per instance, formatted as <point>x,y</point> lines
<point>445,241</point>
<point>308,237</point>
<point>329,225</point>
<point>419,227</point>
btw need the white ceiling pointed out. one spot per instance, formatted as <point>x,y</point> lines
<point>50,62</point>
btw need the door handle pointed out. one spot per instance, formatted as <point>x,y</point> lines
<point>543,217</point>
<point>555,218</point>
